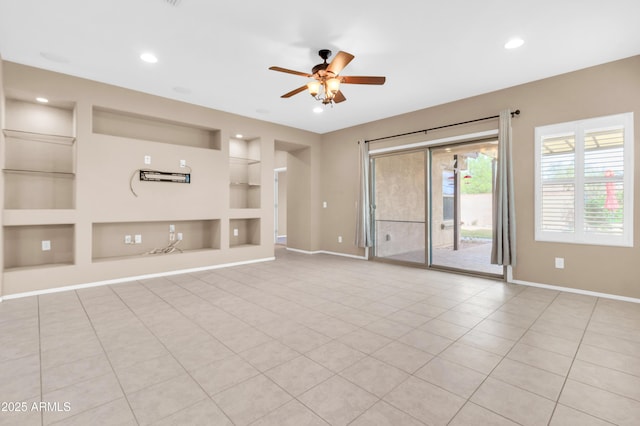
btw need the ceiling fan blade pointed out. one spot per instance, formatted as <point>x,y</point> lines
<point>303,74</point>
<point>341,60</point>
<point>363,80</point>
<point>294,92</point>
<point>339,97</point>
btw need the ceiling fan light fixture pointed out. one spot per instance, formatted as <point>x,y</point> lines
<point>314,88</point>
<point>326,84</point>
<point>333,85</point>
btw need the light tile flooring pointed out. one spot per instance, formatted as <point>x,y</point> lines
<point>316,340</point>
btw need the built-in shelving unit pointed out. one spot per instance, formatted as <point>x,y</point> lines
<point>33,246</point>
<point>244,174</point>
<point>39,156</point>
<point>110,238</point>
<point>136,126</point>
<point>71,198</point>
<point>244,232</point>
<point>38,153</point>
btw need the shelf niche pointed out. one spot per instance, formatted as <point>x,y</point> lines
<point>247,230</point>
<point>109,238</point>
<point>39,156</point>
<point>244,174</point>
<point>136,126</point>
<point>23,246</point>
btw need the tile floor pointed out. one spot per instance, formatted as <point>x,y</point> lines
<point>317,340</point>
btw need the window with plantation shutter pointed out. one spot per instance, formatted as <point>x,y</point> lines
<point>584,181</point>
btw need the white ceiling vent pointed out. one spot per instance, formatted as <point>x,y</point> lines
<point>173,2</point>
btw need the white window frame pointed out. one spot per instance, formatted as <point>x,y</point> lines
<point>577,128</point>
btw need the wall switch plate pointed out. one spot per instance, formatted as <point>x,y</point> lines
<point>560,262</point>
<point>235,232</point>
<point>183,163</point>
<point>324,204</point>
<point>172,228</point>
<point>138,239</point>
<point>179,236</point>
<point>46,245</point>
<point>339,238</point>
<point>127,239</point>
<point>147,159</point>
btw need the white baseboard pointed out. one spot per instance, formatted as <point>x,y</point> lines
<point>332,253</point>
<point>134,278</point>
<point>352,256</point>
<point>569,289</point>
<point>302,251</point>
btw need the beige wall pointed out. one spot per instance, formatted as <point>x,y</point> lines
<point>280,159</point>
<point>300,200</point>
<point>104,164</point>
<point>282,203</point>
<point>602,90</point>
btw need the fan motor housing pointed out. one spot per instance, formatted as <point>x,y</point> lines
<point>324,54</point>
<point>318,68</point>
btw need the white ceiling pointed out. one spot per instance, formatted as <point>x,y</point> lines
<point>217,53</point>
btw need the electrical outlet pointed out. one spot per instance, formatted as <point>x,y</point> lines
<point>46,245</point>
<point>127,239</point>
<point>560,262</point>
<point>324,204</point>
<point>339,238</point>
<point>235,232</point>
<point>147,159</point>
<point>172,236</point>
<point>138,238</point>
<point>179,236</point>
<point>183,163</point>
<point>172,228</point>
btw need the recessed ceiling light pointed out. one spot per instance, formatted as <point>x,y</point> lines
<point>149,57</point>
<point>239,135</point>
<point>54,57</point>
<point>514,43</point>
<point>42,100</point>
<point>318,110</point>
<point>183,90</point>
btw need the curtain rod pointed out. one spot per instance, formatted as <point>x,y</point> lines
<point>514,113</point>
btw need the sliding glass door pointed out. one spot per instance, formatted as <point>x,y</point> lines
<point>461,183</point>
<point>399,192</point>
<point>454,184</point>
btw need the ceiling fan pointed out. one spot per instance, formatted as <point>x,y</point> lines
<point>326,87</point>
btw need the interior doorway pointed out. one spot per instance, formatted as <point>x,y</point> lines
<point>291,189</point>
